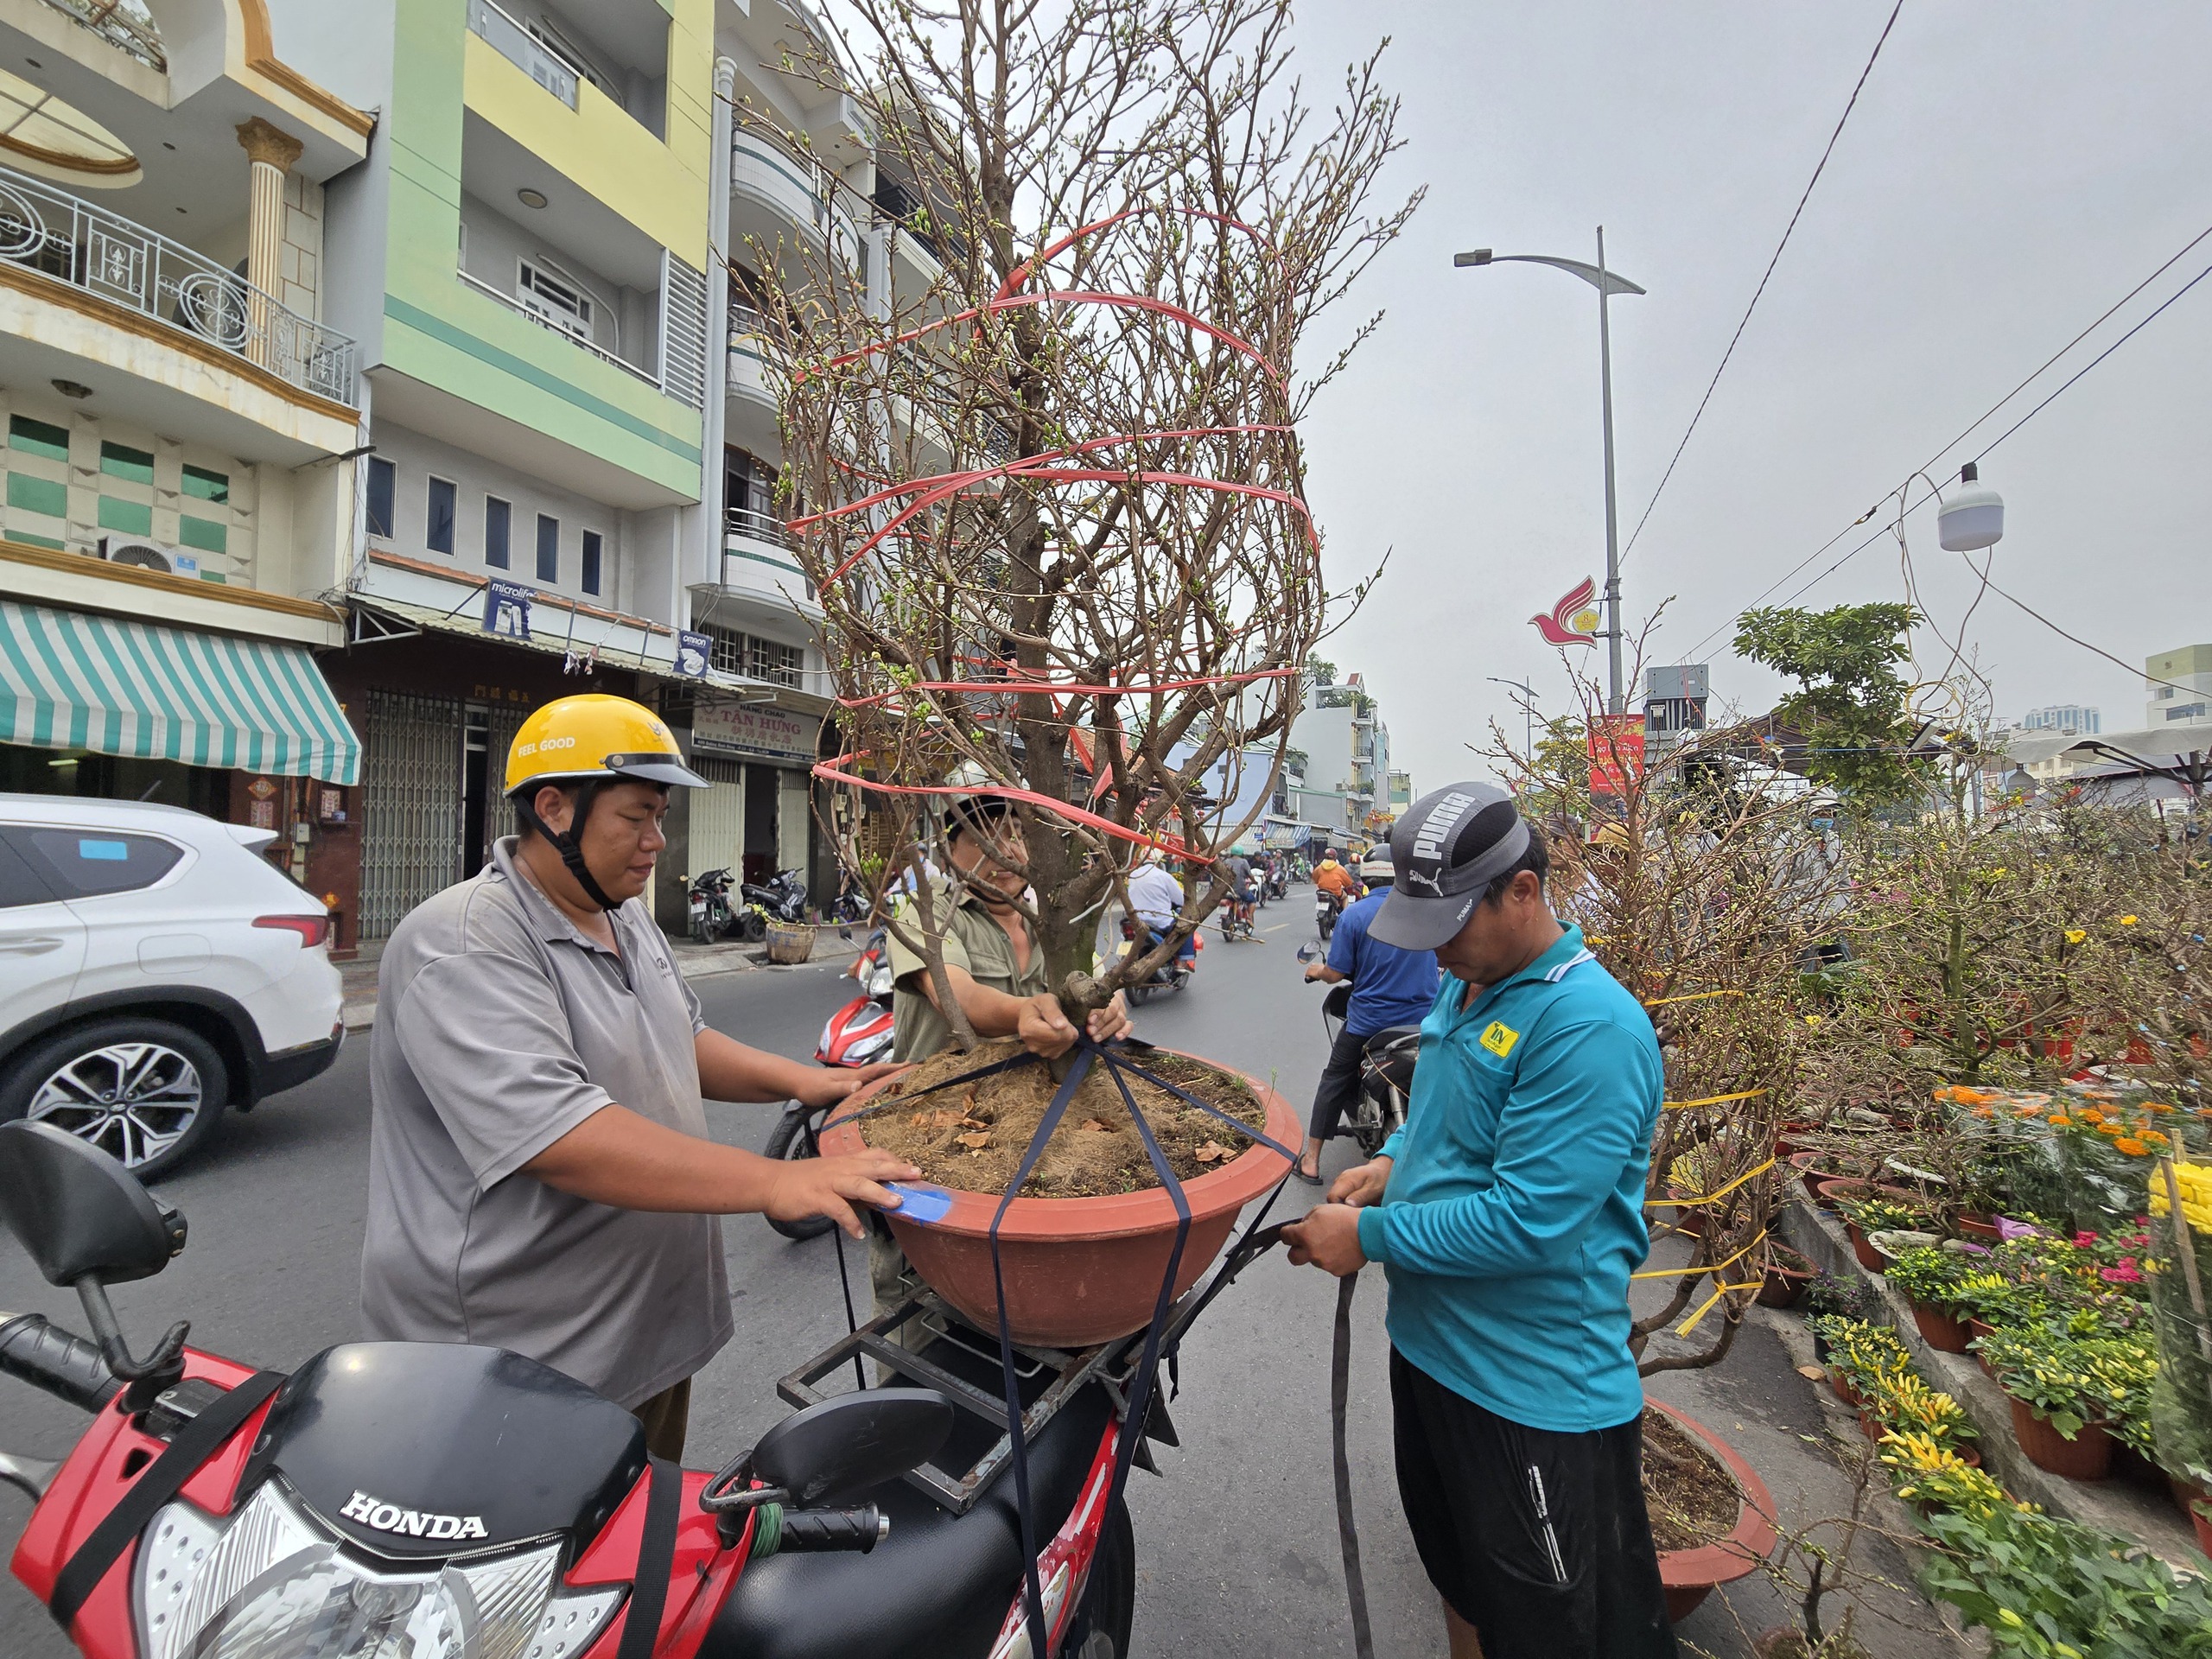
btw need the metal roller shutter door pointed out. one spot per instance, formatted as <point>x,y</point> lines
<point>717,834</point>
<point>410,822</point>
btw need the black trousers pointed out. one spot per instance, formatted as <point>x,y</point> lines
<point>1537,1539</point>
<point>1338,1091</point>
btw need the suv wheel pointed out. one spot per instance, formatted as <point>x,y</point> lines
<point>145,1091</point>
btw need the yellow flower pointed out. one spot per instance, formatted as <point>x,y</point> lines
<point>2075,935</point>
<point>1812,1018</point>
<point>2127,921</point>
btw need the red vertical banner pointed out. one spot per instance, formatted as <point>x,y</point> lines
<point>1616,745</point>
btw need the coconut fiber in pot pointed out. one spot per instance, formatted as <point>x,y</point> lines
<point>1692,1499</point>
<point>972,1136</point>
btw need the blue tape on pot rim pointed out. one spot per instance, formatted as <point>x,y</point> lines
<point>921,1204</point>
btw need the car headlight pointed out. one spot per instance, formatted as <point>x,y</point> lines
<point>267,1582</point>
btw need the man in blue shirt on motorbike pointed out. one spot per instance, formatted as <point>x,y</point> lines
<point>1389,987</point>
<point>1508,1215</point>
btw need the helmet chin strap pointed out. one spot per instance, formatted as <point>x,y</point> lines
<point>565,843</point>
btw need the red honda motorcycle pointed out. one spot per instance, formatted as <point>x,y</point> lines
<point>442,1501</point>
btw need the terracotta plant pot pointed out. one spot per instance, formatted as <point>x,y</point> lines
<point>1869,1257</point>
<point>1978,1227</point>
<point>2088,1456</point>
<point>1690,1218</point>
<point>1976,1329</point>
<point>1939,1330</point>
<point>2187,1492</point>
<point>1804,1163</point>
<point>1844,1389</point>
<point>1079,1271</point>
<point>1787,1275</point>
<point>1690,1574</point>
<point>2203,1522</point>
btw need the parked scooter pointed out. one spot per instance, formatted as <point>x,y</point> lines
<point>711,917</point>
<point>393,1498</point>
<point>857,1034</point>
<point>780,899</point>
<point>1386,1075</point>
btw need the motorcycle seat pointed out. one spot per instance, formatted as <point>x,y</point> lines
<point>941,1584</point>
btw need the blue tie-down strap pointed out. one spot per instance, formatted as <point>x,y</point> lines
<point>919,1203</point>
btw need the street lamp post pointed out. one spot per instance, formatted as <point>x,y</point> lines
<point>1528,711</point>
<point>1608,283</point>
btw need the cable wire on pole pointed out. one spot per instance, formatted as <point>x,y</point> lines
<point>1745,322</point>
<point>1912,506</point>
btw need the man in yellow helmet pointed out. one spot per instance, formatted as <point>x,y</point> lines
<point>541,1177</point>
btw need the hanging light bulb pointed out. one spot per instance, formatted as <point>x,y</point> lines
<point>1974,516</point>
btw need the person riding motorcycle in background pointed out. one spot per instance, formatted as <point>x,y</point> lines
<point>1389,987</point>
<point>541,1175</point>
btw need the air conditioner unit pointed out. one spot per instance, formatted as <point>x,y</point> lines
<point>145,555</point>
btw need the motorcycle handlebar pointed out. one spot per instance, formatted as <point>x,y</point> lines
<point>861,1529</point>
<point>46,1356</point>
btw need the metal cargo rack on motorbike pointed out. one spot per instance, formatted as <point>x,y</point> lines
<point>1112,1366</point>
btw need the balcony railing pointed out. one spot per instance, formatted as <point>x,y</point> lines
<point>105,255</point>
<point>758,525</point>
<point>553,326</point>
<point>131,28</point>
<point>796,184</point>
<point>512,40</point>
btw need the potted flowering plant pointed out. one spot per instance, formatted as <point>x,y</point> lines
<point>1929,1279</point>
<point>2068,1391</point>
<point>1864,1359</point>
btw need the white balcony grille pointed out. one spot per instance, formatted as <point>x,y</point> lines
<point>512,40</point>
<point>47,230</point>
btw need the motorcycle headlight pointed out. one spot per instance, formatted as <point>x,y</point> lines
<point>268,1582</point>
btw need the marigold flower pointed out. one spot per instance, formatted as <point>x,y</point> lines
<point>2153,1136</point>
<point>2058,1120</point>
<point>2091,1115</point>
<point>2132,1146</point>
<point>1985,1111</point>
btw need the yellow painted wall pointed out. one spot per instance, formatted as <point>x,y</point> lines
<point>662,188</point>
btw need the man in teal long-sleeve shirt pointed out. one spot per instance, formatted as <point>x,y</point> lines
<point>1508,1215</point>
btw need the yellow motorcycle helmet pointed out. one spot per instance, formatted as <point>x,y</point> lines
<point>594,740</point>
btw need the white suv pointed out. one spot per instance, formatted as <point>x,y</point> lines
<point>153,969</point>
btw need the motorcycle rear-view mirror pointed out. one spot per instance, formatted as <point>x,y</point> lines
<point>833,1452</point>
<point>79,1212</point>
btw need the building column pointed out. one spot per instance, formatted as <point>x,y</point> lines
<point>269,155</point>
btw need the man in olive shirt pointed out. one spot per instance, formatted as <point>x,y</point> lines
<point>996,971</point>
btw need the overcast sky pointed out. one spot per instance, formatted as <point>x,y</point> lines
<point>2011,169</point>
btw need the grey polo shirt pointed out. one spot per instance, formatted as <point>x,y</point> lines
<point>499,1028</point>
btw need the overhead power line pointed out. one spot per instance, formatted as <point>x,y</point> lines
<point>1973,426</point>
<point>1818,168</point>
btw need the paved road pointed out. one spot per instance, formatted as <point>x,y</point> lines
<point>1236,1542</point>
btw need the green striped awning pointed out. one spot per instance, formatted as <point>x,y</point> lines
<point>72,680</point>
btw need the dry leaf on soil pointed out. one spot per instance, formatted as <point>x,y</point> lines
<point>974,1142</point>
<point>1812,1373</point>
<point>1211,1152</point>
<point>1096,1125</point>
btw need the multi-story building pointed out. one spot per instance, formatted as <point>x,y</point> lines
<point>2063,719</point>
<point>1346,784</point>
<point>2178,684</point>
<point>1401,793</point>
<point>184,413</point>
<point>367,385</point>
